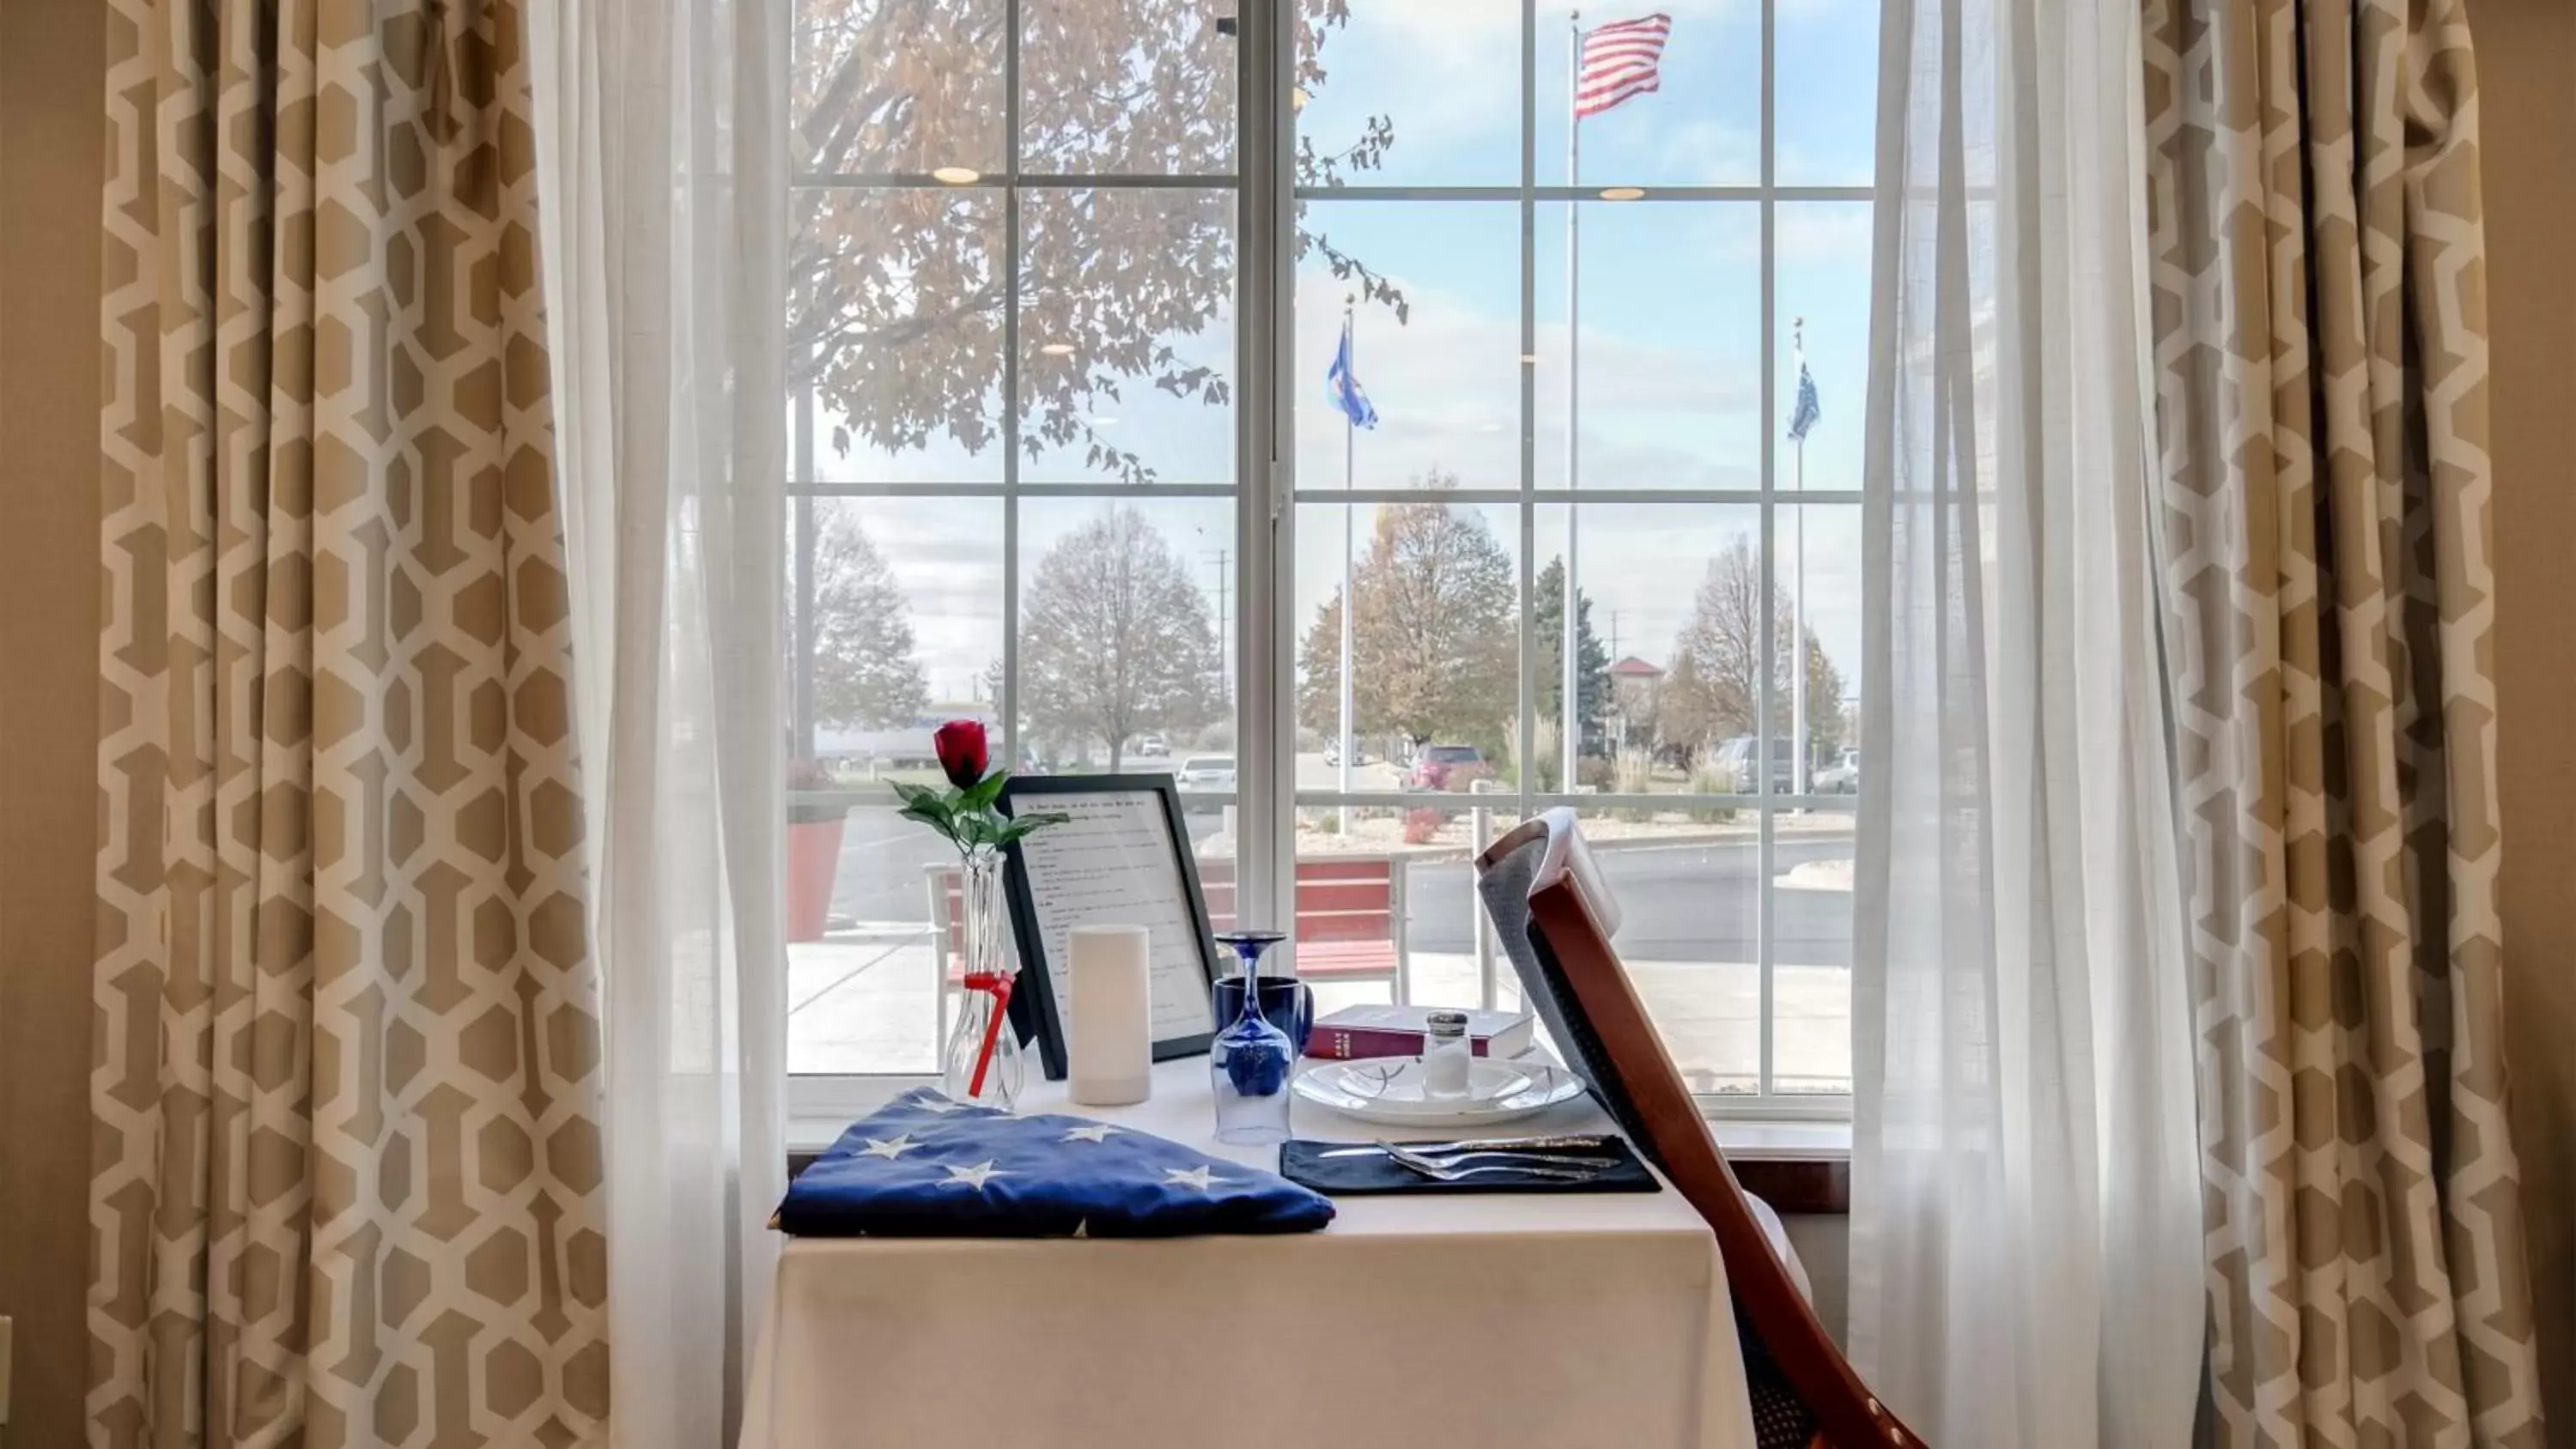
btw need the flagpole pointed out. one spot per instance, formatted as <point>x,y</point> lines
<point>1350,605</point>
<point>1798,585</point>
<point>1569,710</point>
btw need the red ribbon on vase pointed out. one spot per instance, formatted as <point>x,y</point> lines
<point>999,984</point>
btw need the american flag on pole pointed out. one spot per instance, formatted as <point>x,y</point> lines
<point>1620,60</point>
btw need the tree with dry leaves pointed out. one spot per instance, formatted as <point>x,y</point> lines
<point>1435,634</point>
<point>898,293</point>
<point>866,674</point>
<point>1115,639</point>
<point>1713,690</point>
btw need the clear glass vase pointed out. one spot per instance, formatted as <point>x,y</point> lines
<point>981,1062</point>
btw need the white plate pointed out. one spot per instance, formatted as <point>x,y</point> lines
<point>1390,1090</point>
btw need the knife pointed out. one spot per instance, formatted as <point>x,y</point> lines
<point>1593,1141</point>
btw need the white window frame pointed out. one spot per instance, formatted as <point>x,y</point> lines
<point>1267,491</point>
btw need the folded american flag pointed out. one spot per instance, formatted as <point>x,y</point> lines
<point>924,1166</point>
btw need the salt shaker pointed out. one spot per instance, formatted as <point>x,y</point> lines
<point>1445,1054</point>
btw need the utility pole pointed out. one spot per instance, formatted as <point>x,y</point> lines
<point>1224,638</point>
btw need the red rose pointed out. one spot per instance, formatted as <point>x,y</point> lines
<point>960,743</point>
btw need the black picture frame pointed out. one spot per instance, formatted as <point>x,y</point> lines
<point>1033,1010</point>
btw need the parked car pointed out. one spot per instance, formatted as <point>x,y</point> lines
<point>1735,763</point>
<point>1206,772</point>
<point>1153,747</point>
<point>1842,777</point>
<point>1333,752</point>
<point>1448,767</point>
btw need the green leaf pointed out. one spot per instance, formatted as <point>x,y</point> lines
<point>982,794</point>
<point>1027,825</point>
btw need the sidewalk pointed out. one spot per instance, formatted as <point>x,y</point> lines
<point>865,1005</point>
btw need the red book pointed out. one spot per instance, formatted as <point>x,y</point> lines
<point>1398,1031</point>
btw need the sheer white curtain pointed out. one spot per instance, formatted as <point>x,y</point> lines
<point>2025,1266</point>
<point>663,171</point>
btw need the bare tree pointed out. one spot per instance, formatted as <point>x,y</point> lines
<point>897,293</point>
<point>865,671</point>
<point>1434,639</point>
<point>1714,688</point>
<point>1115,639</point>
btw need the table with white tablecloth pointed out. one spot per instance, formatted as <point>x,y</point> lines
<point>1418,1321</point>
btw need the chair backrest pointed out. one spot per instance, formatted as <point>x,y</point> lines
<point>1534,884</point>
<point>1340,898</point>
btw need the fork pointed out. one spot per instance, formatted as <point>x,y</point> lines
<point>1448,1171</point>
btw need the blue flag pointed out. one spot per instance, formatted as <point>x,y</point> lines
<point>1343,389</point>
<point>1807,413</point>
<point>925,1166</point>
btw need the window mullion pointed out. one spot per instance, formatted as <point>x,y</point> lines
<point>1765,938</point>
<point>1009,703</point>
<point>1265,223</point>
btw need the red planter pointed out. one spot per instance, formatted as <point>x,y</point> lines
<point>813,858</point>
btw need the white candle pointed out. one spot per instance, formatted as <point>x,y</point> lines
<point>1111,1048</point>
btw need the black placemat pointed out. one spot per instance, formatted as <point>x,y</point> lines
<point>1302,1161</point>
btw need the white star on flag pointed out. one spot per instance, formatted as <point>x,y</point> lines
<point>940,1105</point>
<point>889,1148</point>
<point>974,1177</point>
<point>1200,1177</point>
<point>1096,1132</point>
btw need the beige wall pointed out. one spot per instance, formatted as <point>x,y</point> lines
<point>2527,74</point>
<point>52,59</point>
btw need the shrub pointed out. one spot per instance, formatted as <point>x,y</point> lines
<point>1633,773</point>
<point>1422,825</point>
<point>1706,779</point>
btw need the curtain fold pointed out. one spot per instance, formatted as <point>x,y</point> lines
<point>663,156</point>
<point>2321,363</point>
<point>2024,1208</point>
<point>345,1086</point>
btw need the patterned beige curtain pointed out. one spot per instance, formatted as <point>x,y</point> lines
<point>346,1082</point>
<point>2320,309</point>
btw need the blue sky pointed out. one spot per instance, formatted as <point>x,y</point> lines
<point>1671,320</point>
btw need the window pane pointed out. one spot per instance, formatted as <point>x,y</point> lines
<point>1388,895</point>
<point>1127,336</point>
<point>905,632</point>
<point>1702,127</point>
<point>1671,332</point>
<point>897,88</point>
<point>1142,87</point>
<point>1826,127</point>
<point>1435,345</point>
<point>1669,631</point>
<point>1125,608</point>
<point>1401,93</point>
<point>1688,881</point>
<point>1823,270</point>
<point>1819,598</point>
<point>1435,639</point>
<point>860,995</point>
<point>1811,943</point>
<point>897,330</point>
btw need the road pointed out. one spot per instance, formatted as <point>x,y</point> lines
<point>1686,902</point>
<point>1694,902</point>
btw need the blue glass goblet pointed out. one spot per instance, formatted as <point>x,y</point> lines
<point>1250,1061</point>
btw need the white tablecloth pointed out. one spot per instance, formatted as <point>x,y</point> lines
<point>1413,1321</point>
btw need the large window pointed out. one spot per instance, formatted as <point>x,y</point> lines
<point>1039,325</point>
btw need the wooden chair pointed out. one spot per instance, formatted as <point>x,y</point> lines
<point>1555,918</point>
